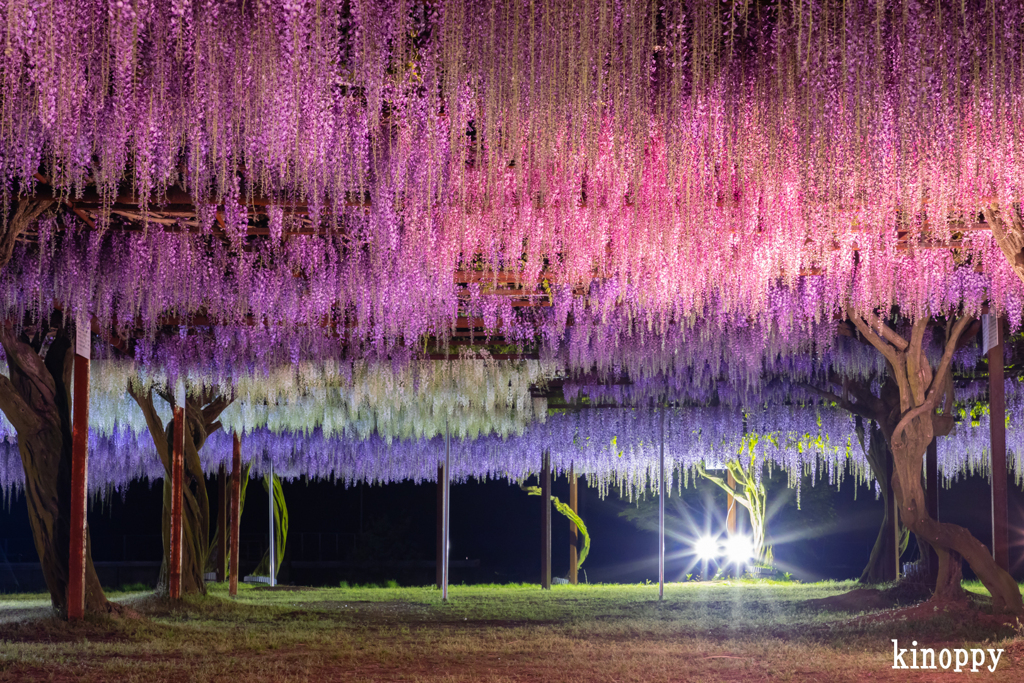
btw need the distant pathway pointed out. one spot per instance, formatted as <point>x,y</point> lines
<point>12,611</point>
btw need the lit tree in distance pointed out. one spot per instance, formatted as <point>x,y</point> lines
<point>200,414</point>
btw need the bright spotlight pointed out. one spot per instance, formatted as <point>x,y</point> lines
<point>739,549</point>
<point>706,548</point>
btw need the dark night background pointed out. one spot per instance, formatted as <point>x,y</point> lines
<point>373,534</point>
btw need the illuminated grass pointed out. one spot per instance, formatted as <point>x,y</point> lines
<point>733,630</point>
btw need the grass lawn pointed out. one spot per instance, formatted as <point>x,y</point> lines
<point>721,631</point>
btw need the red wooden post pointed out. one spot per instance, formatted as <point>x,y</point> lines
<point>79,473</point>
<point>573,531</point>
<point>661,506</point>
<point>997,408</point>
<point>177,474</point>
<point>222,521</point>
<point>446,512</point>
<point>236,492</point>
<point>545,521</point>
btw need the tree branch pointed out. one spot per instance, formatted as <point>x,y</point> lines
<point>919,370</point>
<point>845,404</point>
<point>26,211</point>
<point>885,331</point>
<point>947,355</point>
<point>17,411</point>
<point>24,360</point>
<point>884,347</point>
<point>153,421</point>
<point>215,407</point>
<point>1009,236</point>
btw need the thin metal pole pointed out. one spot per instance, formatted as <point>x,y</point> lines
<point>177,474</point>
<point>439,555</point>
<point>236,492</point>
<point>79,474</point>
<point>447,508</point>
<point>573,531</point>
<point>997,424</point>
<point>661,511</point>
<point>545,521</point>
<point>272,557</point>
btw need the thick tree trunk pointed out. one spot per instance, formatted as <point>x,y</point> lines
<point>881,566</point>
<point>921,393</point>
<point>36,399</point>
<point>195,517</point>
<point>195,530</point>
<point>948,574</point>
<point>951,542</point>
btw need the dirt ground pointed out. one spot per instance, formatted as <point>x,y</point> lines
<point>722,631</point>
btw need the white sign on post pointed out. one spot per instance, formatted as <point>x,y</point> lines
<point>989,332</point>
<point>83,336</point>
<point>179,393</point>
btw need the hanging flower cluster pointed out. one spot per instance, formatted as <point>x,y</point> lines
<point>612,446</point>
<point>306,300</point>
<point>468,398</point>
<point>687,155</point>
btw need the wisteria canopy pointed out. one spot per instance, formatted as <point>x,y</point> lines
<point>304,204</point>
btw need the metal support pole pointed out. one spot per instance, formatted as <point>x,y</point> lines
<point>661,509</point>
<point>79,474</point>
<point>440,527</point>
<point>997,408</point>
<point>236,492</point>
<point>222,521</point>
<point>177,474</point>
<point>446,508</point>
<point>545,521</point>
<point>272,557</point>
<point>574,533</point>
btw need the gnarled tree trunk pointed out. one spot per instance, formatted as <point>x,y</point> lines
<point>921,392</point>
<point>213,557</point>
<point>37,401</point>
<point>882,564</point>
<point>857,398</point>
<point>200,421</point>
